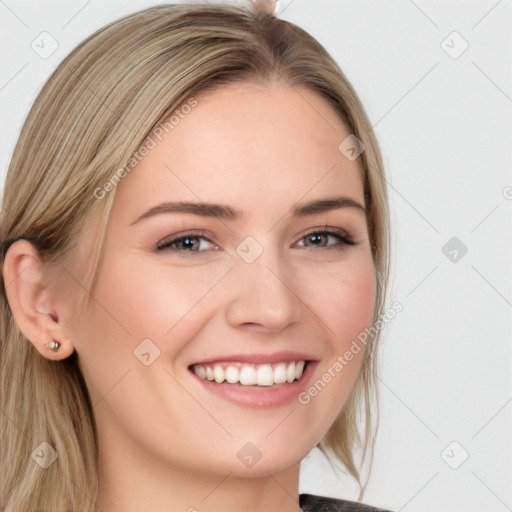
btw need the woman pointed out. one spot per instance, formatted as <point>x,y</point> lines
<point>194,252</point>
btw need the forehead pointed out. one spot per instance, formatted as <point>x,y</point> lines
<point>243,143</point>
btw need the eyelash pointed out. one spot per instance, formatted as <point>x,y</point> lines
<point>343,237</point>
<point>344,240</point>
<point>166,243</point>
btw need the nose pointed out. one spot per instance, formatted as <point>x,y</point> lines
<point>262,296</point>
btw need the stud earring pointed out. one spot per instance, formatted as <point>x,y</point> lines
<point>54,345</point>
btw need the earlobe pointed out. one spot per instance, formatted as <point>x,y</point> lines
<point>30,301</point>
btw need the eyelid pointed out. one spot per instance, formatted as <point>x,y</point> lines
<point>165,243</point>
<point>342,234</point>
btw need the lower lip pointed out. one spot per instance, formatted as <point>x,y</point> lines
<point>261,397</point>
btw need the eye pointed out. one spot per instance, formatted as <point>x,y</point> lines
<point>326,239</point>
<point>186,242</point>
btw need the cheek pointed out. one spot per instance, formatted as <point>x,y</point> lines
<point>133,302</point>
<point>355,305</point>
<point>343,299</point>
<point>156,300</point>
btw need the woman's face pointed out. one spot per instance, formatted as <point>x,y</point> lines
<point>237,248</point>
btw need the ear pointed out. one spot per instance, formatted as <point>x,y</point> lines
<point>30,300</point>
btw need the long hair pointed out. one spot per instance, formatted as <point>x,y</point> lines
<point>90,118</point>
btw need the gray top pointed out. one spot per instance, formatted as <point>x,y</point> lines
<point>310,503</point>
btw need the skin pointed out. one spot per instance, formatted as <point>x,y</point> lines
<point>165,442</point>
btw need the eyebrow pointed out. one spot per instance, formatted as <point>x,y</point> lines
<point>325,205</point>
<point>227,212</point>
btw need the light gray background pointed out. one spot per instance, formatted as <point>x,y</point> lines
<point>444,122</point>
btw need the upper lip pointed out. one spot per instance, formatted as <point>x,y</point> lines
<point>276,357</point>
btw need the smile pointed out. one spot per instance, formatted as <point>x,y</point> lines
<point>246,374</point>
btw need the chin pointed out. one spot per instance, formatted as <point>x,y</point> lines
<point>256,460</point>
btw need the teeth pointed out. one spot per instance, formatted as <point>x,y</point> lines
<point>280,373</point>
<point>201,371</point>
<point>290,372</point>
<point>299,368</point>
<point>232,374</point>
<point>218,374</point>
<point>265,375</point>
<point>250,375</point>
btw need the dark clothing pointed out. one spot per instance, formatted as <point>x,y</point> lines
<point>310,503</point>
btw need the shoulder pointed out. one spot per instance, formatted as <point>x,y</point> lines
<point>310,503</point>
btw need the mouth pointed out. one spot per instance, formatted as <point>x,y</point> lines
<point>251,375</point>
<point>256,381</point>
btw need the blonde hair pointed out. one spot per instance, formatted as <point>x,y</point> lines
<point>92,115</point>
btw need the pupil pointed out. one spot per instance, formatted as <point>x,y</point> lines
<point>316,239</point>
<point>189,243</point>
